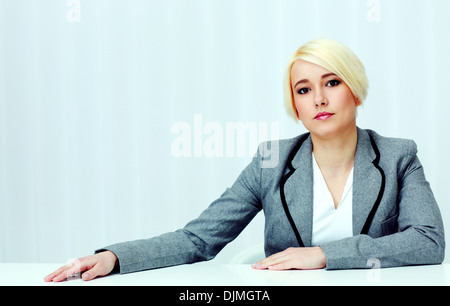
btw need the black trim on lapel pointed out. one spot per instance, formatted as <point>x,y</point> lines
<point>283,182</point>
<point>375,162</point>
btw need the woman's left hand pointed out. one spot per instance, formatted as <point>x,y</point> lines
<point>294,258</point>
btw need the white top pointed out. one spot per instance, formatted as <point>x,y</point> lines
<point>330,223</point>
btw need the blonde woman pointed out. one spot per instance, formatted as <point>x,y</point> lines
<point>339,196</point>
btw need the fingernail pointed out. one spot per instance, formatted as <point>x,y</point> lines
<point>86,276</point>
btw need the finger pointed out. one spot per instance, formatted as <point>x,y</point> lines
<point>57,274</point>
<point>275,262</point>
<point>73,271</point>
<point>270,261</point>
<point>263,264</point>
<point>284,265</point>
<point>257,266</point>
<point>99,269</point>
<point>66,271</point>
<point>52,275</point>
<point>90,274</point>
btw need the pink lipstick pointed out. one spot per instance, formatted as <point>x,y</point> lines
<point>323,116</point>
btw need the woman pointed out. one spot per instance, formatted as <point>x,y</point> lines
<point>338,197</point>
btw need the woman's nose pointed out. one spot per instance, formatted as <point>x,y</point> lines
<point>323,103</point>
<point>320,100</point>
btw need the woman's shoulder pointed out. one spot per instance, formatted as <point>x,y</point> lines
<point>283,144</point>
<point>275,153</point>
<point>393,145</point>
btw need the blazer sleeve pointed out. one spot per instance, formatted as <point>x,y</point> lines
<point>202,238</point>
<point>420,237</point>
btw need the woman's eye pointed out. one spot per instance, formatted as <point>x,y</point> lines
<point>333,83</point>
<point>303,91</point>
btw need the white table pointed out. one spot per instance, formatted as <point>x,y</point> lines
<point>210,274</point>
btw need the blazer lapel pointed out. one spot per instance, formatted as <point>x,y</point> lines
<point>298,191</point>
<point>296,187</point>
<point>368,183</point>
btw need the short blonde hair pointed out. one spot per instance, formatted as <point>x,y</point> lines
<point>333,56</point>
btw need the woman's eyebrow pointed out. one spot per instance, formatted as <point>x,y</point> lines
<point>306,80</point>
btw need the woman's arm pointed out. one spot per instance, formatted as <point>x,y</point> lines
<point>420,237</point>
<point>414,236</point>
<point>94,265</point>
<point>201,239</point>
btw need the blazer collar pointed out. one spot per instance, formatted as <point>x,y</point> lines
<point>368,182</point>
<point>364,151</point>
<point>297,187</point>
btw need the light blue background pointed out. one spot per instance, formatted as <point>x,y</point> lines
<point>87,108</point>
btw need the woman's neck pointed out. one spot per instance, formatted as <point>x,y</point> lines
<point>336,154</point>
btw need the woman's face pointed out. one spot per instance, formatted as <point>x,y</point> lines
<point>325,104</point>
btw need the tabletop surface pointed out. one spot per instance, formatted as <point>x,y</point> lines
<point>211,274</point>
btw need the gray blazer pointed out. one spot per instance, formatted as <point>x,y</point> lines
<point>395,216</point>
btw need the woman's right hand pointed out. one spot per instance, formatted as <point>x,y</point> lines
<point>99,264</point>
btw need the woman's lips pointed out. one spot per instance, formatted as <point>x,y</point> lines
<point>323,116</point>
